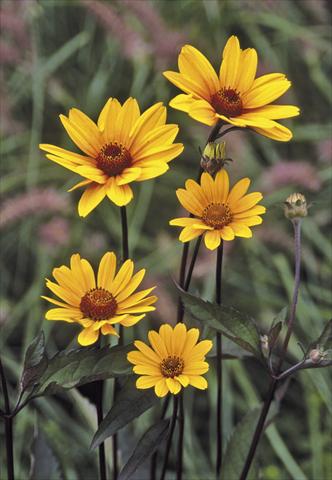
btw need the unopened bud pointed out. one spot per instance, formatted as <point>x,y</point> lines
<point>265,343</point>
<point>316,355</point>
<point>295,206</point>
<point>214,157</point>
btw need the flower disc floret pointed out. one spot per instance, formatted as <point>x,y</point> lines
<point>113,159</point>
<point>98,304</point>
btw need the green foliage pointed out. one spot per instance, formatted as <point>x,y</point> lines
<point>44,464</point>
<point>129,404</point>
<point>152,439</point>
<point>236,326</point>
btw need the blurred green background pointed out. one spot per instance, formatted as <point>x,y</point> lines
<point>58,54</point>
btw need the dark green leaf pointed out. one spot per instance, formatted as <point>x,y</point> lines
<point>146,446</point>
<point>35,362</point>
<point>78,367</point>
<point>44,464</point>
<point>237,326</point>
<point>281,317</point>
<point>238,447</point>
<point>230,351</point>
<point>130,403</point>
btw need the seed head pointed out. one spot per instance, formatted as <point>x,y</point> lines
<point>317,354</point>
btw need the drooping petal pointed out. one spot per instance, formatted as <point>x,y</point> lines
<point>88,336</point>
<point>90,199</point>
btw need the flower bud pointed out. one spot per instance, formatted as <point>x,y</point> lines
<point>214,157</point>
<point>316,355</point>
<point>295,206</point>
<point>265,343</point>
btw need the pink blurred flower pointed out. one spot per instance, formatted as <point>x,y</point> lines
<point>301,173</point>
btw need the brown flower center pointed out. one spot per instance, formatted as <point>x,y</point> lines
<point>172,366</point>
<point>227,102</point>
<point>98,304</point>
<point>113,158</point>
<point>217,215</point>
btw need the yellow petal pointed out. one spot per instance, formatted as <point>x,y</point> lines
<point>80,138</point>
<point>88,336</point>
<point>161,388</point>
<point>195,368</point>
<point>90,199</point>
<point>178,339</point>
<point>164,153</point>
<point>222,185</point>
<point>238,191</point>
<point>230,64</point>
<point>147,351</point>
<point>212,239</point>
<point>103,115</point>
<point>84,183</point>
<point>111,119</point>
<point>173,385</point>
<point>63,314</point>
<point>274,112</point>
<point>203,112</point>
<point>197,67</point>
<point>278,132</point>
<point>208,187</point>
<point>189,233</point>
<point>128,175</point>
<point>88,273</point>
<point>183,379</point>
<point>265,89</point>
<point>159,136</point>
<point>138,358</point>
<point>146,370</point>
<point>133,284</point>
<point>119,194</point>
<point>157,344</point>
<point>107,329</point>
<point>182,102</point>
<point>246,202</point>
<point>72,157</point>
<point>247,70</point>
<point>189,202</point>
<point>122,278</point>
<point>131,320</point>
<point>241,230</point>
<point>87,127</point>
<point>126,119</point>
<point>152,118</point>
<point>147,381</point>
<point>191,340</point>
<point>198,382</point>
<point>106,271</point>
<point>187,85</point>
<point>227,233</point>
<point>166,333</point>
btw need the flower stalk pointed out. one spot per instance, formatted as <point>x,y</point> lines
<point>219,442</point>
<point>275,380</point>
<point>8,419</point>
<point>170,437</point>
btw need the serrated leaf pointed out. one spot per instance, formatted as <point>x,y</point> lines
<point>238,447</point>
<point>44,464</point>
<point>78,367</point>
<point>35,362</point>
<point>146,446</point>
<point>237,326</point>
<point>130,403</point>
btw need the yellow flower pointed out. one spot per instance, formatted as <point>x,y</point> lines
<point>98,303</point>
<point>175,360</point>
<point>236,96</point>
<point>217,212</point>
<point>123,147</point>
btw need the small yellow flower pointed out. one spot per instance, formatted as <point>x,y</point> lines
<point>175,360</point>
<point>123,147</point>
<point>98,303</point>
<point>218,213</point>
<point>236,96</point>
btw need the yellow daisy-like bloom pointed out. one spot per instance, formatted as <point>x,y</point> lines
<point>123,147</point>
<point>218,213</point>
<point>175,360</point>
<point>236,96</point>
<point>98,303</point>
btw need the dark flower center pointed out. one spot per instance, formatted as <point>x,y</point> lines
<point>172,366</point>
<point>227,102</point>
<point>113,158</point>
<point>98,304</point>
<point>217,215</point>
